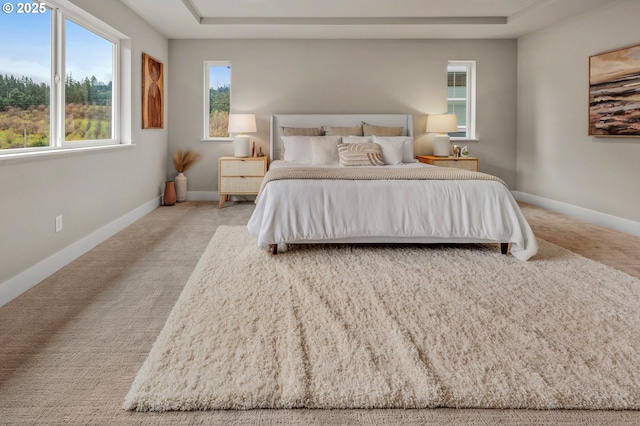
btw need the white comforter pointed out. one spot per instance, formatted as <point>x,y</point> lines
<point>422,211</point>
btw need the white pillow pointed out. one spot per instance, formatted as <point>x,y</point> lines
<point>356,139</point>
<point>405,142</point>
<point>324,150</point>
<point>297,149</point>
<point>391,150</point>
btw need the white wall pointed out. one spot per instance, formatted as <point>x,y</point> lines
<point>556,160</point>
<point>91,190</point>
<point>342,76</point>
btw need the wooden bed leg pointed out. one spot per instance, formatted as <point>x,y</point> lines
<point>274,249</point>
<point>504,247</point>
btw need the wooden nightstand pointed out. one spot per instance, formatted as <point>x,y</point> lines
<point>466,163</point>
<point>240,176</point>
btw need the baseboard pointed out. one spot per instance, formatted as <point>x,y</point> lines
<point>22,282</point>
<point>203,196</point>
<point>603,219</point>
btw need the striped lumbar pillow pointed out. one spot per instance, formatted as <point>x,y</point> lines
<point>360,154</point>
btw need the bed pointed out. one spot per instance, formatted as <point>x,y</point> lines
<point>306,201</point>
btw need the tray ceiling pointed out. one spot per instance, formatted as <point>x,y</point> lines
<point>334,19</point>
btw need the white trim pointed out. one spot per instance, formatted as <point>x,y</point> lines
<point>22,282</point>
<point>89,20</point>
<point>203,196</point>
<point>470,68</point>
<point>207,88</point>
<point>603,219</point>
<point>217,140</point>
<point>16,157</point>
<point>465,139</point>
<point>60,11</point>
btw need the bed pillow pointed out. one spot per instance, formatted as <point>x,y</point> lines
<point>391,150</point>
<point>297,149</point>
<point>370,130</point>
<point>343,131</point>
<point>324,150</point>
<point>301,131</point>
<point>405,142</point>
<point>356,139</point>
<point>360,154</point>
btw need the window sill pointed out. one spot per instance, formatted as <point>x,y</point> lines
<point>217,140</point>
<point>465,140</point>
<point>20,157</point>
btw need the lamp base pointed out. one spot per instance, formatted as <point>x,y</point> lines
<point>241,146</point>
<point>441,146</point>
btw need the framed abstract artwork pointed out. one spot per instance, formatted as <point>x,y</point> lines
<point>614,93</point>
<point>152,93</point>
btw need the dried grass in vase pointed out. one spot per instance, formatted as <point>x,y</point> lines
<point>183,160</point>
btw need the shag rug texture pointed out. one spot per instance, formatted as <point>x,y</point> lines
<point>342,326</point>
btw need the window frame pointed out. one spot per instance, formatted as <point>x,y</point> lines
<point>58,14</point>
<point>207,105</point>
<point>470,67</point>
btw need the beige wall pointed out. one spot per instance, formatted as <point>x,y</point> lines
<point>342,76</point>
<point>556,159</point>
<point>90,190</point>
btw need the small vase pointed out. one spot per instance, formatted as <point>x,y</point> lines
<point>169,198</point>
<point>181,188</point>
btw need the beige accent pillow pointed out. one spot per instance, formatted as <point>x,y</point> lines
<point>324,150</point>
<point>357,139</point>
<point>301,131</point>
<point>343,131</point>
<point>360,154</point>
<point>370,130</point>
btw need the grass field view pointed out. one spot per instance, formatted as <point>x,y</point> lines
<point>25,111</point>
<point>219,111</point>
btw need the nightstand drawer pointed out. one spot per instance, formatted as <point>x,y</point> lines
<point>239,185</point>
<point>242,168</point>
<point>466,165</point>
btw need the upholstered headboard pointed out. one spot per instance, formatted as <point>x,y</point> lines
<point>336,120</point>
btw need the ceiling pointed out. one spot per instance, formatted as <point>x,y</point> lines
<point>359,19</point>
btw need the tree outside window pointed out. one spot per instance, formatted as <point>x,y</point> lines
<point>218,84</point>
<point>76,108</point>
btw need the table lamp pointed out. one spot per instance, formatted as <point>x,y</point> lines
<point>441,124</point>
<point>241,124</point>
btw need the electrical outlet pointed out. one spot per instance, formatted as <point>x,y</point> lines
<point>58,223</point>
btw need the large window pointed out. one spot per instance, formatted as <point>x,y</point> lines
<point>88,84</point>
<point>57,79</point>
<point>461,97</point>
<point>217,99</point>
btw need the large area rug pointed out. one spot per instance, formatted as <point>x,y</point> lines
<point>396,326</point>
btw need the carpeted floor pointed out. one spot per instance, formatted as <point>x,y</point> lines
<point>70,347</point>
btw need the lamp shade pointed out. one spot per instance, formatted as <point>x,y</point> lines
<point>442,123</point>
<point>242,123</point>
